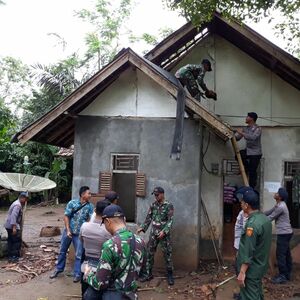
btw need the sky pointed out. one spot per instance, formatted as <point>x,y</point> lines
<point>25,27</point>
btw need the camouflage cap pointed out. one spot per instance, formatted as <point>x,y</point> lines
<point>112,211</point>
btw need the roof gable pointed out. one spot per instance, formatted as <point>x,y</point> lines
<point>175,46</point>
<point>57,126</point>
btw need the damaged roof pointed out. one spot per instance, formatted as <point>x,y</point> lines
<point>176,45</point>
<point>58,125</point>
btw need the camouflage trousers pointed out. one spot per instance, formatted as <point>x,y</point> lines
<point>190,83</point>
<point>166,247</point>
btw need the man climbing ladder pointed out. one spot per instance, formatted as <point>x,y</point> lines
<point>192,76</point>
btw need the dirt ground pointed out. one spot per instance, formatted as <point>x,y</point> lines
<point>29,280</point>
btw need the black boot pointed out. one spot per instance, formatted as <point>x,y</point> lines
<point>170,278</point>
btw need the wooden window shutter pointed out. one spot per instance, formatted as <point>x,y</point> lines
<point>140,185</point>
<point>105,182</point>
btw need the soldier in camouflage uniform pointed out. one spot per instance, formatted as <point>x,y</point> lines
<point>121,261</point>
<point>160,214</point>
<point>193,75</point>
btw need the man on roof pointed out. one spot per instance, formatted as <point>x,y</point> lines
<point>192,76</point>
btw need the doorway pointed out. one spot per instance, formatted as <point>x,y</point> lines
<point>124,185</point>
<point>291,172</point>
<point>293,210</point>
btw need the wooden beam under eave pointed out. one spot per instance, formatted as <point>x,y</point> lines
<point>92,83</point>
<point>260,41</point>
<point>70,124</point>
<point>65,138</point>
<point>224,130</point>
<point>159,50</point>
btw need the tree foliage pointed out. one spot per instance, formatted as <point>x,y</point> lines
<point>107,19</point>
<point>36,89</point>
<point>200,11</point>
<point>15,83</point>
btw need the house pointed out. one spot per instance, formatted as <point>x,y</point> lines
<point>122,120</point>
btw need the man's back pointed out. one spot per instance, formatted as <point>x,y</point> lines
<point>119,265</point>
<point>93,235</point>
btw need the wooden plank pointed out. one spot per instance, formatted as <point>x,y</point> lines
<point>239,158</point>
<point>224,130</point>
<point>170,41</point>
<point>73,98</point>
<point>61,130</point>
<point>64,137</point>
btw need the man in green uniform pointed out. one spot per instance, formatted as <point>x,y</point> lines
<point>253,254</point>
<point>160,214</point>
<point>192,76</point>
<point>121,261</point>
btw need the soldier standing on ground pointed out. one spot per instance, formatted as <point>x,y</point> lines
<point>160,214</point>
<point>122,258</point>
<point>254,249</point>
<point>284,231</point>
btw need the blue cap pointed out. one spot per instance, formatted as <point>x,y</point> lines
<point>283,194</point>
<point>111,196</point>
<point>251,197</point>
<point>23,194</point>
<point>241,191</point>
<point>112,211</point>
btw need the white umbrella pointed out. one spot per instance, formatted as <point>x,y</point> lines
<point>25,183</point>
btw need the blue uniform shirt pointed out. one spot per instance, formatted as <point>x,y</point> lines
<point>77,219</point>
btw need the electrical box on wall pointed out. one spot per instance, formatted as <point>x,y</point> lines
<point>215,168</point>
<point>230,167</point>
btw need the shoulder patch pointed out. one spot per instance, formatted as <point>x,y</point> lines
<point>249,231</point>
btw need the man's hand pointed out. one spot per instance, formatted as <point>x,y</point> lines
<point>14,230</point>
<point>161,235</point>
<point>241,279</point>
<point>240,131</point>
<point>211,94</point>
<point>87,271</point>
<point>139,230</point>
<point>69,234</point>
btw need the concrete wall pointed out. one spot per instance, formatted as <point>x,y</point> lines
<point>98,137</point>
<point>244,85</point>
<point>133,94</point>
<point>279,145</point>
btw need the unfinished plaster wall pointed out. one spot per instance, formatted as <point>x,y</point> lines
<point>133,94</point>
<point>98,137</point>
<point>243,85</point>
<point>279,145</point>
